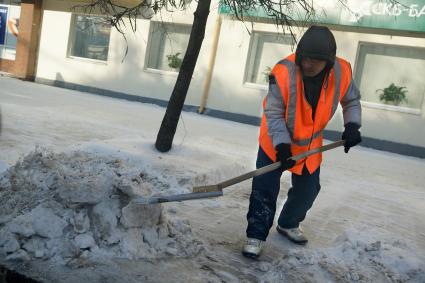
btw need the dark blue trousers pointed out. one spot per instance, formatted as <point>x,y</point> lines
<point>265,190</point>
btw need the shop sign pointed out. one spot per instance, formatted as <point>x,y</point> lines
<point>3,23</point>
<point>407,15</point>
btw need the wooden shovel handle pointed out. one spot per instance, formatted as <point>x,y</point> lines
<point>265,169</point>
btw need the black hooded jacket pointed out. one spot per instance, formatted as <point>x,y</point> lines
<point>317,42</point>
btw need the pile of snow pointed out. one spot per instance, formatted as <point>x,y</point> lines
<point>355,256</point>
<point>76,206</point>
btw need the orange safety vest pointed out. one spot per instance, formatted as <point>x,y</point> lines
<point>304,132</point>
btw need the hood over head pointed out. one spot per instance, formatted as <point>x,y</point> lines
<point>318,42</point>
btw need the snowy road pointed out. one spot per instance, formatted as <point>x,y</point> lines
<point>367,196</point>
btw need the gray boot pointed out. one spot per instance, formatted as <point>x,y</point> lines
<point>295,235</point>
<point>252,248</point>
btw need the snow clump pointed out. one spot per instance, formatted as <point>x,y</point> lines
<point>74,206</point>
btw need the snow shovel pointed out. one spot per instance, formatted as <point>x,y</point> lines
<point>217,189</point>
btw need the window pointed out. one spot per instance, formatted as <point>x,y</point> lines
<point>396,71</point>
<point>89,37</point>
<point>167,46</point>
<point>266,49</point>
<point>10,12</point>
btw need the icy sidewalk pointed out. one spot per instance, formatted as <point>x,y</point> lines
<point>366,225</point>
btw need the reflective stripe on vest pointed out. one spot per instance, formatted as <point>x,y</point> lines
<point>293,100</point>
<point>337,73</point>
<point>292,95</point>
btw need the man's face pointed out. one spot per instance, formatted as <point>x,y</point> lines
<point>312,67</point>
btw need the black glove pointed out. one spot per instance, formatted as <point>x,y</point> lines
<point>282,155</point>
<point>351,136</point>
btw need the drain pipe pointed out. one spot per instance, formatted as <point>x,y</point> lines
<point>211,63</point>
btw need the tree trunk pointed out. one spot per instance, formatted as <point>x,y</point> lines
<point>165,137</point>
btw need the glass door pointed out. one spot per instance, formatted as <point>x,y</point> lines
<point>10,12</point>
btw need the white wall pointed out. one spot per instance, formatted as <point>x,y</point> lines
<point>385,124</point>
<point>228,81</point>
<point>128,76</point>
<point>246,98</point>
<point>228,91</point>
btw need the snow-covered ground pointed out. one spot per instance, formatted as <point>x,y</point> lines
<point>70,162</point>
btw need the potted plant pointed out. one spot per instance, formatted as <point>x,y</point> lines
<point>174,61</point>
<point>266,73</point>
<point>393,94</point>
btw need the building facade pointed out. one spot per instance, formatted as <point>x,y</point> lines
<point>384,43</point>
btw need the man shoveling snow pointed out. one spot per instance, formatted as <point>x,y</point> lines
<point>304,91</point>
